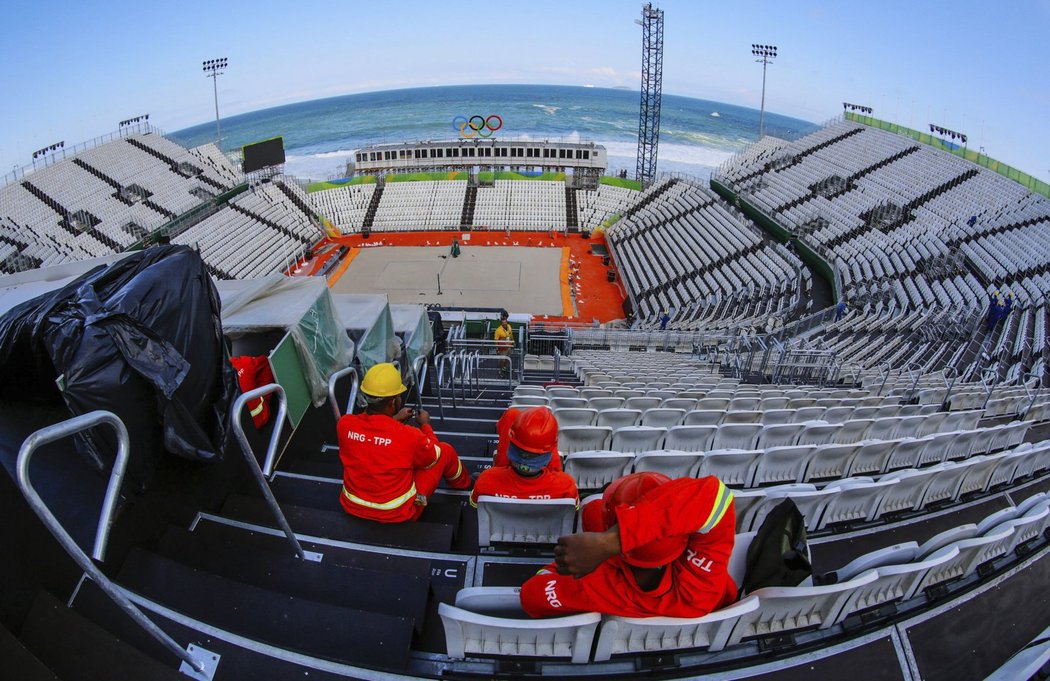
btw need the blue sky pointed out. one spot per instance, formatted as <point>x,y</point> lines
<point>72,70</point>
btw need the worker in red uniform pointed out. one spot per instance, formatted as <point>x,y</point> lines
<point>661,548</point>
<point>500,458</point>
<point>532,445</point>
<point>390,469</point>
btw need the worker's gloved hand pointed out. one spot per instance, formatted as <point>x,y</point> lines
<point>422,417</point>
<point>580,554</point>
<point>404,414</point>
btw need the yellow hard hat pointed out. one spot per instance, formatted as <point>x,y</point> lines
<point>383,380</point>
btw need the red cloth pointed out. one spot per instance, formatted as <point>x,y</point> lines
<point>504,482</point>
<point>386,464</point>
<point>252,373</point>
<point>696,583</point>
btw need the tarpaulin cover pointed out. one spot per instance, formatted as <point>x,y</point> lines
<point>140,338</point>
<point>413,325</point>
<point>303,307</point>
<point>366,317</point>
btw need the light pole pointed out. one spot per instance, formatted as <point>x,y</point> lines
<point>212,68</point>
<point>766,54</point>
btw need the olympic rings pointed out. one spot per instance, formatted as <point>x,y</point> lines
<point>477,126</point>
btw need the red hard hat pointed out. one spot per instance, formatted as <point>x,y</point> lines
<point>626,491</point>
<point>535,431</point>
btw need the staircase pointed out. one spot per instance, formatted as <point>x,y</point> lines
<point>466,218</point>
<point>295,199</point>
<point>572,214</point>
<point>271,224</point>
<point>797,158</point>
<point>373,206</point>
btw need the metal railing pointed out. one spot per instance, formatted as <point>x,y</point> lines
<point>260,474</point>
<point>105,521</point>
<point>355,383</point>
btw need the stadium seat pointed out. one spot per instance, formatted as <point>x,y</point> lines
<point>469,630</point>
<point>690,438</point>
<point>673,464</point>
<point>734,467</point>
<point>596,469</point>
<point>573,416</point>
<point>524,521</point>
<point>662,417</point>
<point>582,438</point>
<point>652,634</point>
<point>636,438</point>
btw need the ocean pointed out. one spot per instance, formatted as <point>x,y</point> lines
<point>320,135</point>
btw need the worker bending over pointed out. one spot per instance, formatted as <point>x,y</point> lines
<point>503,425</point>
<point>390,469</point>
<point>652,546</point>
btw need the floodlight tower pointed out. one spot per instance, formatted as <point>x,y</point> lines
<point>766,54</point>
<point>652,23</point>
<point>212,69</point>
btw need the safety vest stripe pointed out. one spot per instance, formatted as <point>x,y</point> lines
<point>386,506</point>
<point>258,410</point>
<point>437,457</point>
<point>723,498</point>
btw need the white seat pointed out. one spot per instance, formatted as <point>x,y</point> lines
<point>853,430</point>
<point>648,634</point>
<point>596,469</point>
<point>810,413</point>
<point>937,447</point>
<point>636,438</point>
<point>528,401</point>
<point>642,403</point>
<point>883,428</point>
<point>857,500</point>
<point>703,417</point>
<point>736,436</point>
<point>744,404</point>
<point>978,475</point>
<point>871,457</point>
<point>782,464</point>
<point>734,467</point>
<point>605,402</point>
<point>947,481</point>
<point>779,435</point>
<point>582,438</point>
<point>890,555</point>
<point>908,495</point>
<point>784,609</point>
<point>829,461</point>
<point>745,503</point>
<point>574,416</point>
<point>662,417</point>
<point>910,426</point>
<point>562,391</point>
<point>672,463</point>
<point>618,418</point>
<point>838,414</point>
<point>818,433</point>
<point>947,537</point>
<point>897,582</point>
<point>684,403</point>
<point>907,453</point>
<point>1028,526</point>
<point>742,417</point>
<point>972,552</point>
<point>469,631</point>
<point>524,521</point>
<point>772,417</point>
<point>690,438</point>
<point>567,402</point>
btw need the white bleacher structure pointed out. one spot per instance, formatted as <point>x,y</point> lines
<point>521,204</point>
<point>345,206</point>
<point>420,205</point>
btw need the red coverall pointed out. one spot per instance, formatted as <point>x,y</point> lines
<point>252,373</point>
<point>386,464</point>
<point>504,482</point>
<point>696,583</point>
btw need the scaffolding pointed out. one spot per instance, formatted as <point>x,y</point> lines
<point>652,23</point>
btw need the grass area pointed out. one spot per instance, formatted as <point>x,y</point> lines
<point>620,182</point>
<point>346,181</point>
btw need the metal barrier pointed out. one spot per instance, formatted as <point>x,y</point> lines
<point>271,455</point>
<point>354,385</point>
<point>105,521</point>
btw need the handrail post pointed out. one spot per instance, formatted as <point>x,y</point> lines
<point>116,477</point>
<point>271,450</point>
<point>885,369</point>
<point>419,374</point>
<point>354,384</point>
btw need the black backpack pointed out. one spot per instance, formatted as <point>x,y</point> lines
<point>778,555</point>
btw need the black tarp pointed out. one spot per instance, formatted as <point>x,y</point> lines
<point>141,338</point>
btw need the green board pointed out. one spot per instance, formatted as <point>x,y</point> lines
<point>284,361</point>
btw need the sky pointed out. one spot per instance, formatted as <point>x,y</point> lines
<point>72,70</point>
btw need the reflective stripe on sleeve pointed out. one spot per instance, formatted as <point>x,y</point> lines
<point>385,506</point>
<point>258,410</point>
<point>437,457</point>
<point>723,498</point>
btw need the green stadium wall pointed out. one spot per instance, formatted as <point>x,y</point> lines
<point>780,234</point>
<point>346,181</point>
<point>620,182</point>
